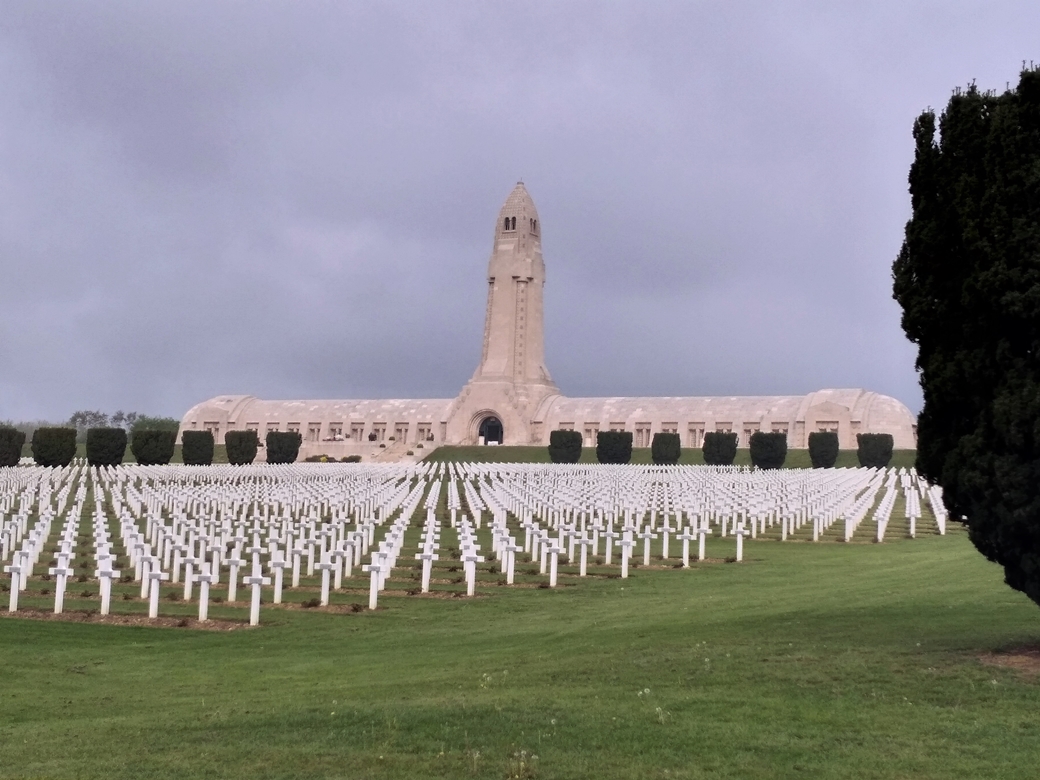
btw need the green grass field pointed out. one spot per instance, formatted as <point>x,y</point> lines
<point>796,459</point>
<point>829,660</point>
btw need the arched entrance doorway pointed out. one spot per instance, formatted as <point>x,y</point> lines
<point>490,430</point>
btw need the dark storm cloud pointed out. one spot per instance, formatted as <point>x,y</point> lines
<point>297,199</point>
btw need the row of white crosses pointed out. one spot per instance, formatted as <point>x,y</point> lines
<point>197,526</point>
<point>27,556</point>
<point>883,511</point>
<point>45,493</point>
<point>469,553</point>
<point>384,559</point>
<point>504,546</point>
<point>63,556</point>
<point>329,549</point>
<point>586,531</point>
<point>727,499</point>
<point>934,495</point>
<point>430,540</point>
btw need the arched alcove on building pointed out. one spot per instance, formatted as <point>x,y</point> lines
<point>490,430</point>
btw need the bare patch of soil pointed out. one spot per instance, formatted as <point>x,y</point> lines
<point>1024,659</point>
<point>163,621</point>
<point>339,609</point>
<point>445,594</point>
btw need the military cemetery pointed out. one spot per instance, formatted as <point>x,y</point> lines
<point>695,565</point>
<point>152,535</point>
<point>378,575</point>
<point>446,612</point>
<point>492,576</point>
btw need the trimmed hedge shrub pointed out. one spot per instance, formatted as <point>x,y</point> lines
<point>614,446</point>
<point>153,448</point>
<point>768,450</point>
<point>54,446</point>
<point>241,447</point>
<point>106,446</point>
<point>564,446</point>
<point>823,449</point>
<point>351,459</point>
<point>197,448</point>
<point>11,442</point>
<point>665,449</point>
<point>283,446</point>
<point>874,450</point>
<point>720,448</point>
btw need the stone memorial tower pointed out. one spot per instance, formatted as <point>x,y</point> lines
<point>500,401</point>
<point>512,399</point>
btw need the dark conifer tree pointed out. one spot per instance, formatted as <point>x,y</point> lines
<point>152,448</point>
<point>968,279</point>
<point>54,446</point>
<point>665,449</point>
<point>197,448</point>
<point>874,450</point>
<point>564,446</point>
<point>823,449</point>
<point>241,447</point>
<point>11,442</point>
<point>719,448</point>
<point>768,450</point>
<point>614,446</point>
<point>283,446</point>
<point>106,446</point>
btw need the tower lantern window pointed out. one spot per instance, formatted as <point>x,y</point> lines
<point>512,226</point>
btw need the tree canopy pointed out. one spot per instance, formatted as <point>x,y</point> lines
<point>565,446</point>
<point>719,448</point>
<point>768,450</point>
<point>968,280</point>
<point>665,449</point>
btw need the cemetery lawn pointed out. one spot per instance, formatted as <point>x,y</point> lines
<point>829,660</point>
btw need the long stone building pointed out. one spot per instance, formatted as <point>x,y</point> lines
<point>512,399</point>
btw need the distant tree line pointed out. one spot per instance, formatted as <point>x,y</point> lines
<point>84,420</point>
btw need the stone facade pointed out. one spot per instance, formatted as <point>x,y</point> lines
<point>511,398</point>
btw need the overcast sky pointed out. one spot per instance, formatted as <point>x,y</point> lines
<point>297,199</point>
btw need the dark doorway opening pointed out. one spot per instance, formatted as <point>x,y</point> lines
<point>491,430</point>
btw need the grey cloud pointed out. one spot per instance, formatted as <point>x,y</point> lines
<point>297,199</point>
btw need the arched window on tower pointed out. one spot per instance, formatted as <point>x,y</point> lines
<point>513,225</point>
<point>505,224</point>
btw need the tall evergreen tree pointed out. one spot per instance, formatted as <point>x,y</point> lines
<point>11,442</point>
<point>106,446</point>
<point>823,449</point>
<point>768,450</point>
<point>197,448</point>
<point>283,446</point>
<point>968,279</point>
<point>614,446</point>
<point>564,446</point>
<point>665,449</point>
<point>719,448</point>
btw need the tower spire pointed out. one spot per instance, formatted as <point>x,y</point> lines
<point>511,379</point>
<point>514,345</point>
